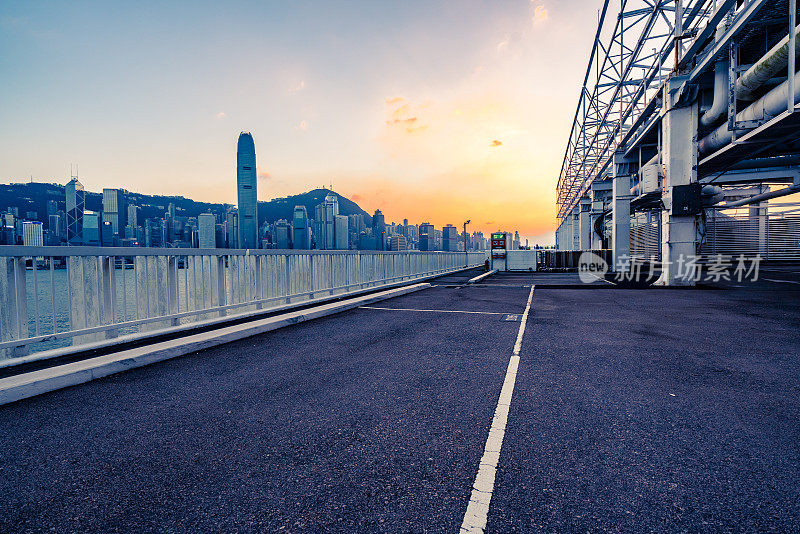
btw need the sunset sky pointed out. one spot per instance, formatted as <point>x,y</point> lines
<point>431,111</point>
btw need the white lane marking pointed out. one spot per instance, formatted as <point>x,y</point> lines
<point>781,281</point>
<point>482,488</point>
<point>433,311</point>
<point>601,279</point>
<point>499,285</point>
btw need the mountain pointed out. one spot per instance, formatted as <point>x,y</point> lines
<point>282,208</point>
<point>34,196</point>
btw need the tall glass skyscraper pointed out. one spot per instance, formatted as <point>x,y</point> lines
<point>246,190</point>
<point>76,204</point>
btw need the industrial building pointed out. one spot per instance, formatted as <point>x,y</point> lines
<point>685,139</point>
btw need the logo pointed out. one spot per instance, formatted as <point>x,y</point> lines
<point>591,268</point>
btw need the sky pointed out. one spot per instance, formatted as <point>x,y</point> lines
<point>434,111</point>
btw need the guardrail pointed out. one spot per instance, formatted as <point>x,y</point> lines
<point>51,297</point>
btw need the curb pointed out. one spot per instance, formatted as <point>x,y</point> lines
<point>481,277</point>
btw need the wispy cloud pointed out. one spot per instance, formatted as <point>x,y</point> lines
<point>300,86</point>
<point>539,14</point>
<point>303,126</point>
<point>402,114</point>
<point>221,115</point>
<point>496,142</point>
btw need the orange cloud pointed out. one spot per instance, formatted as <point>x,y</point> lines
<point>539,14</point>
<point>401,114</point>
<point>496,142</point>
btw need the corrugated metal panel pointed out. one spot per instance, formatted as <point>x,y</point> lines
<point>646,235</point>
<point>521,260</point>
<point>773,231</point>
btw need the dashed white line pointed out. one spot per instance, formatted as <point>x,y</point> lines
<point>478,506</point>
<point>433,311</point>
<point>781,281</point>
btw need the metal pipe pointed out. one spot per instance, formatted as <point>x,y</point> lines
<point>763,196</point>
<point>770,64</point>
<point>775,161</point>
<point>792,44</point>
<point>763,109</point>
<point>719,107</point>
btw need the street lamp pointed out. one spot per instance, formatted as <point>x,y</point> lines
<point>466,254</point>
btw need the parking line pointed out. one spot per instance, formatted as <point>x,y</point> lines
<point>433,311</point>
<point>478,506</point>
<point>781,281</point>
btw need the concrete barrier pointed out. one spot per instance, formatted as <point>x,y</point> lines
<point>481,277</point>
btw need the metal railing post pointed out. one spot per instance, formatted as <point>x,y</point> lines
<point>221,291</point>
<point>107,294</point>
<point>172,289</point>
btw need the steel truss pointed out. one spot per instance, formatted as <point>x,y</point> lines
<point>632,55</point>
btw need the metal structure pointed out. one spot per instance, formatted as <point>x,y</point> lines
<point>684,103</point>
<point>53,296</point>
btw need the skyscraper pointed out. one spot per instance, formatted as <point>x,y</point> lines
<point>379,230</point>
<point>341,231</point>
<point>76,205</point>
<point>133,215</point>
<point>282,235</point>
<point>246,190</point>
<point>207,230</point>
<point>91,229</point>
<point>427,237</point>
<point>325,220</point>
<point>111,208</point>
<point>301,232</point>
<point>450,238</point>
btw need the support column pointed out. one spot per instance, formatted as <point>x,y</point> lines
<point>585,223</point>
<point>599,192</point>
<point>621,218</point>
<point>597,212</point>
<point>679,232</point>
<point>576,228</point>
<point>757,213</point>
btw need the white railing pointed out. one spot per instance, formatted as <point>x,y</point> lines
<point>51,297</point>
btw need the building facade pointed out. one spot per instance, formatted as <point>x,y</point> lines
<point>341,232</point>
<point>76,206</point>
<point>111,208</point>
<point>379,230</point>
<point>450,238</point>
<point>206,230</point>
<point>246,192</point>
<point>301,229</point>
<point>427,237</point>
<point>32,234</point>
<point>325,220</point>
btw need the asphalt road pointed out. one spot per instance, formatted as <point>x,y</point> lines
<point>666,410</point>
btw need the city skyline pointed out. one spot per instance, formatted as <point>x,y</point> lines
<point>448,121</point>
<point>142,223</point>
